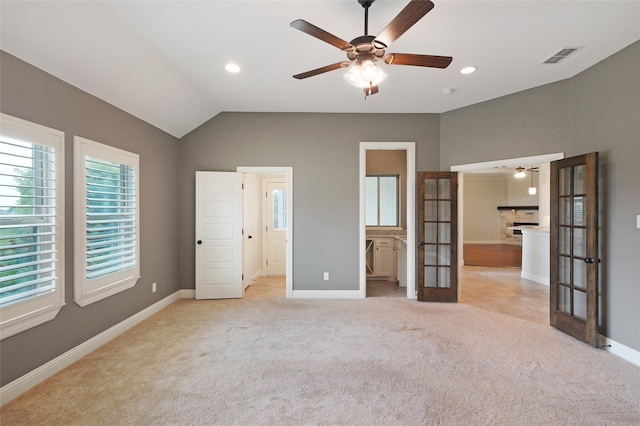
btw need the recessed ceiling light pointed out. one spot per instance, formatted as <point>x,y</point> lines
<point>447,91</point>
<point>234,68</point>
<point>468,70</point>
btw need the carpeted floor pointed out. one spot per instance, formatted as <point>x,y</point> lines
<point>266,360</point>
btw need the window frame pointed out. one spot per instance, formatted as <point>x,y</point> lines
<point>24,314</point>
<point>398,200</point>
<point>87,291</point>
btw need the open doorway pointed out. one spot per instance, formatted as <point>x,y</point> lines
<point>268,230</point>
<point>492,221</point>
<point>385,245</point>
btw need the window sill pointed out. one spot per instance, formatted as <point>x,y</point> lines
<point>103,292</point>
<point>18,325</point>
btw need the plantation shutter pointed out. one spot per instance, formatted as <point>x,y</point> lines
<point>110,217</point>
<point>28,252</point>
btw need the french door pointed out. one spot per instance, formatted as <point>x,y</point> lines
<point>437,252</point>
<point>574,247</point>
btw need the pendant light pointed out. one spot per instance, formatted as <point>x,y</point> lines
<point>532,188</point>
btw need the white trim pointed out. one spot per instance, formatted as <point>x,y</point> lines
<point>87,291</point>
<point>509,163</point>
<point>618,349</point>
<point>22,384</point>
<point>288,172</point>
<point>187,293</point>
<point>410,147</point>
<point>23,315</point>
<point>326,294</point>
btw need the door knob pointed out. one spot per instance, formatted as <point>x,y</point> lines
<point>199,241</point>
<point>590,260</point>
<point>421,244</point>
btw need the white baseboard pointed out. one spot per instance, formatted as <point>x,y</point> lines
<point>257,275</point>
<point>620,350</point>
<point>326,294</point>
<point>187,293</point>
<point>540,279</point>
<point>22,384</point>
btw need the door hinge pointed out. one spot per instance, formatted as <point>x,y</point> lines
<point>242,277</point>
<point>267,262</point>
<point>243,186</point>
<point>243,231</point>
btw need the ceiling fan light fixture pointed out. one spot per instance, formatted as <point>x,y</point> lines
<point>365,75</point>
<point>520,173</point>
<point>369,71</point>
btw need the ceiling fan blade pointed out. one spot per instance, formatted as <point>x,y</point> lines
<point>418,60</point>
<point>319,33</point>
<point>408,16</point>
<point>322,70</point>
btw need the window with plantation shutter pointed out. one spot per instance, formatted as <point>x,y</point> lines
<point>31,224</point>
<point>106,221</point>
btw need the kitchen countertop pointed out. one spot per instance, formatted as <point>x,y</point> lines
<point>398,234</point>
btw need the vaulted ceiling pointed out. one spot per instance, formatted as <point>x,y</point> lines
<point>164,61</point>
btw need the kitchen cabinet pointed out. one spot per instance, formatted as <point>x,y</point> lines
<point>384,257</point>
<point>379,257</point>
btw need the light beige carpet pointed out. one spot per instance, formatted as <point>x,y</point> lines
<point>265,360</point>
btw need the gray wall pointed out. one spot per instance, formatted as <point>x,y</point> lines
<point>29,93</point>
<point>597,110</point>
<point>482,196</point>
<point>605,105</point>
<point>323,150</point>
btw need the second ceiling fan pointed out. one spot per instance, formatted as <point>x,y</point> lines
<point>364,51</point>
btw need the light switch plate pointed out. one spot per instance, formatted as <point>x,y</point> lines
<point>638,221</point>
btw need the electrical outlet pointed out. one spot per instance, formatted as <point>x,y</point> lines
<point>326,276</point>
<point>153,288</point>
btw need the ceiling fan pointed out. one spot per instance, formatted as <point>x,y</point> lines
<point>364,51</point>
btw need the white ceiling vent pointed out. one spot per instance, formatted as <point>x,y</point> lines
<point>561,55</point>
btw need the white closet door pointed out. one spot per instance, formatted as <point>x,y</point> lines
<point>218,235</point>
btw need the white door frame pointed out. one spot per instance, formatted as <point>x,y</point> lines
<point>410,148</point>
<point>510,163</point>
<point>288,172</point>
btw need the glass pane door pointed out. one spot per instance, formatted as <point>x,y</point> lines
<point>574,246</point>
<point>437,236</point>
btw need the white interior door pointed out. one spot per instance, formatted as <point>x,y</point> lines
<point>218,235</point>
<point>276,227</point>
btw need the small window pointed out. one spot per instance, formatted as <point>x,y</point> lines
<point>382,204</point>
<point>106,221</point>
<point>31,224</point>
<point>279,210</point>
